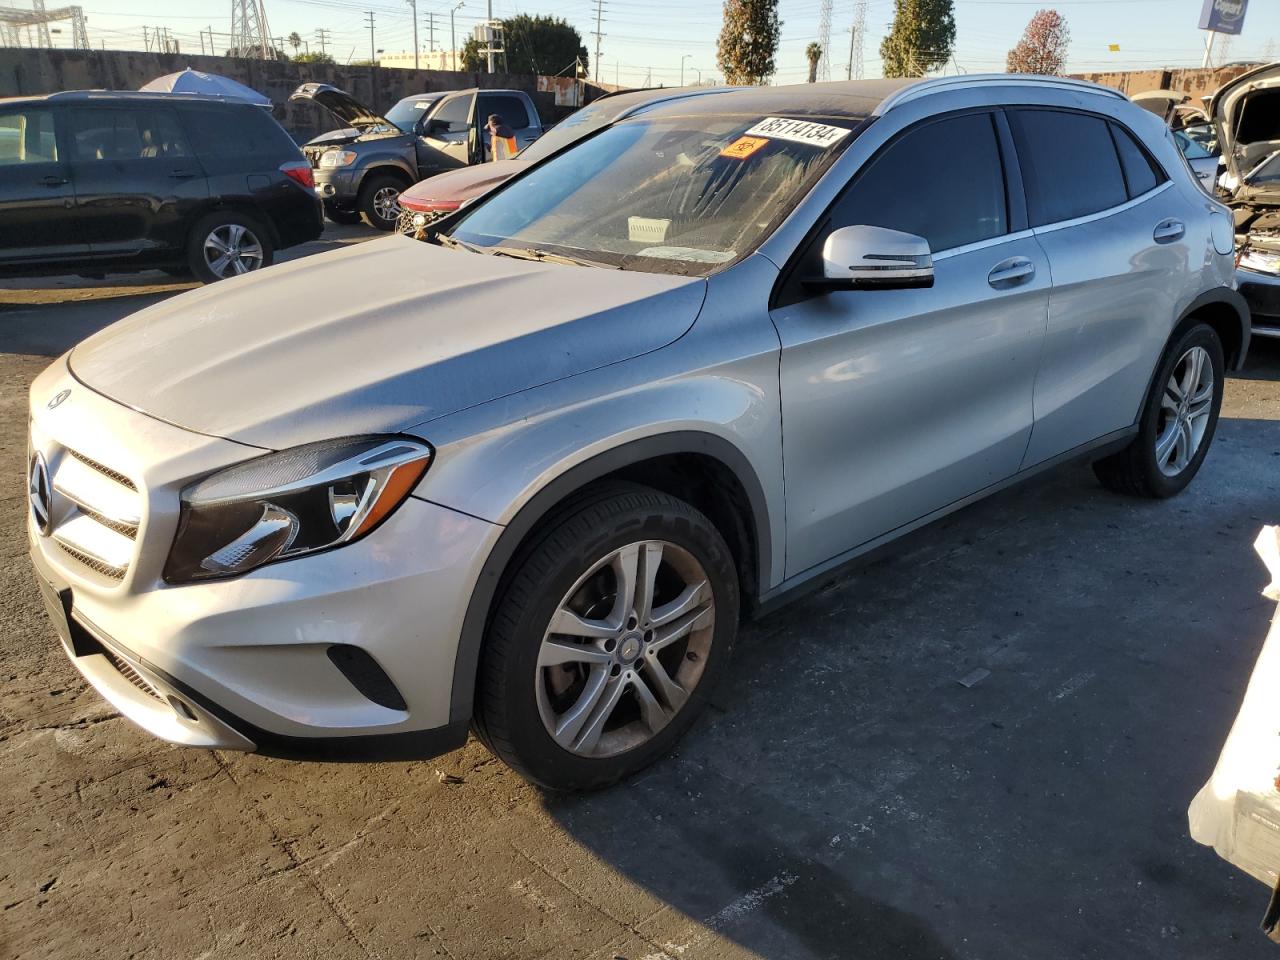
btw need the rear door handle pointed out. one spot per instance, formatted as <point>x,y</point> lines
<point>182,174</point>
<point>54,181</point>
<point>1169,230</point>
<point>1011,272</point>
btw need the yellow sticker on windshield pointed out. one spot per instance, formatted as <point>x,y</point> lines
<point>744,147</point>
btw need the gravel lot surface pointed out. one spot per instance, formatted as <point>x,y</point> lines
<point>849,798</point>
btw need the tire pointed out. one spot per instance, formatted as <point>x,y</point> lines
<point>529,686</point>
<point>374,195</point>
<point>243,234</point>
<point>343,217</point>
<point>1174,433</point>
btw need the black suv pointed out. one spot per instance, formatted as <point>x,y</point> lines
<point>97,182</point>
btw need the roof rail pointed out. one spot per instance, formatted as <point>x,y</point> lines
<point>941,84</point>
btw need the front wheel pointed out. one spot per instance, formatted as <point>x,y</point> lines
<point>379,201</point>
<point>1177,423</point>
<point>607,640</point>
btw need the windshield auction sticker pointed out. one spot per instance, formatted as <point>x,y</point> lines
<point>798,131</point>
<point>744,147</point>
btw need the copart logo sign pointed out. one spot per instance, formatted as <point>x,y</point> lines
<point>1223,16</point>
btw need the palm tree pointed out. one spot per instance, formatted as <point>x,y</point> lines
<point>294,40</point>
<point>813,52</point>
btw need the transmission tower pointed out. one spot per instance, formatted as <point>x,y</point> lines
<point>15,20</point>
<point>824,41</point>
<point>250,35</point>
<point>859,34</point>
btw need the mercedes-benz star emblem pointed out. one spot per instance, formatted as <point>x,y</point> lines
<point>58,398</point>
<point>39,495</point>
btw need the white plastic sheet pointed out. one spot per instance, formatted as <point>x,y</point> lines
<point>1238,811</point>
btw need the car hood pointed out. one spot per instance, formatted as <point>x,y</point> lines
<point>345,107</point>
<point>375,339</point>
<point>1225,109</point>
<point>463,183</point>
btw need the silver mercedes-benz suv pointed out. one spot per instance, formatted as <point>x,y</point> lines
<point>526,476</point>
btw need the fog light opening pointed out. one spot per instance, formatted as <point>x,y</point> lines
<point>182,710</point>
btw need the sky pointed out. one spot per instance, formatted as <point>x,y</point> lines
<point>648,41</point>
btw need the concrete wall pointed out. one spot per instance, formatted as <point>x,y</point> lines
<point>1194,81</point>
<point>28,71</point>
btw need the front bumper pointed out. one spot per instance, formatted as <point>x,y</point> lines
<point>339,185</point>
<point>252,662</point>
<point>1262,291</point>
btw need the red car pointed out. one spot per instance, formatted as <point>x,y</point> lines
<point>444,193</point>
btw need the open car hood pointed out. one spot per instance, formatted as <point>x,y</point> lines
<point>1234,110</point>
<point>345,107</point>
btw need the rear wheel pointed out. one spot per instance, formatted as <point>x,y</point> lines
<point>616,625</point>
<point>1177,423</point>
<point>379,201</point>
<point>228,244</point>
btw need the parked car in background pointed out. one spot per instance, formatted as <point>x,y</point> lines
<point>444,193</point>
<point>530,482</point>
<point>363,176</point>
<point>1204,165</point>
<point>1246,114</point>
<point>98,182</point>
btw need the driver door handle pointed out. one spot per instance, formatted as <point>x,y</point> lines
<point>54,181</point>
<point>1011,272</point>
<point>1167,231</point>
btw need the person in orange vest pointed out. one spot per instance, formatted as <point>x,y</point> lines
<point>502,139</point>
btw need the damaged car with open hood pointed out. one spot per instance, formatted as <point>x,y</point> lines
<point>1246,113</point>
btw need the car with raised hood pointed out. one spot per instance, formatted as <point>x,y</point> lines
<point>97,182</point>
<point>532,478</point>
<point>362,177</point>
<point>444,193</point>
<point>1246,115</point>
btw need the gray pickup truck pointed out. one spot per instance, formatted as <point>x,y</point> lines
<point>361,170</point>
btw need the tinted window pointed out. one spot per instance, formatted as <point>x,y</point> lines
<point>455,112</point>
<point>1069,164</point>
<point>26,136</point>
<point>942,181</point>
<point>1139,169</point>
<point>236,132</point>
<point>113,134</point>
<point>510,109</point>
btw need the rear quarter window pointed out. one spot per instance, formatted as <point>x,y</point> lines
<point>1070,167</point>
<point>237,132</point>
<point>1141,173</point>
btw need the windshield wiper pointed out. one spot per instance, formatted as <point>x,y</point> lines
<point>546,256</point>
<point>453,243</point>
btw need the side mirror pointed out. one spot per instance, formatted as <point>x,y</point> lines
<point>873,258</point>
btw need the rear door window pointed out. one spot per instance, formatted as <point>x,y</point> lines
<point>1069,164</point>
<point>26,136</point>
<point>942,181</point>
<point>119,134</point>
<point>510,109</point>
<point>1140,171</point>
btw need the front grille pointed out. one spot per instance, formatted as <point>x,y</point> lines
<point>406,225</point>
<point>132,675</point>
<point>96,512</point>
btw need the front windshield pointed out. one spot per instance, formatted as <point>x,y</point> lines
<point>664,195</point>
<point>410,110</point>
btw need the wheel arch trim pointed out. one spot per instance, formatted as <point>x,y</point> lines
<point>1230,298</point>
<point>537,507</point>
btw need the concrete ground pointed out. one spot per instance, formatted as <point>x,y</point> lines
<point>849,798</point>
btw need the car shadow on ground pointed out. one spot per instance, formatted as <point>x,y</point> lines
<point>850,797</point>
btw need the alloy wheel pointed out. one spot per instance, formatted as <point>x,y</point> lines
<point>1185,410</point>
<point>232,249</point>
<point>625,649</point>
<point>386,204</point>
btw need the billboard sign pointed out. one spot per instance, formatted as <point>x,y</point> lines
<point>1223,16</point>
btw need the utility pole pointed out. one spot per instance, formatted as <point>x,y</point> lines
<point>687,56</point>
<point>599,35</point>
<point>453,37</point>
<point>431,31</point>
<point>322,38</point>
<point>413,5</point>
<point>488,34</point>
<point>853,35</point>
<point>373,54</point>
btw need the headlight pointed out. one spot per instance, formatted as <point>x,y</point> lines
<point>1252,259</point>
<point>288,504</point>
<point>419,220</point>
<point>337,158</point>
